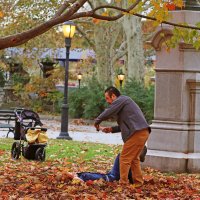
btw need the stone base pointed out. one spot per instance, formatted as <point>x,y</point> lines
<point>174,136</point>
<point>194,165</point>
<point>172,161</point>
<point>64,136</point>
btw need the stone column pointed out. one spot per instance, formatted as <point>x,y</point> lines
<point>174,142</point>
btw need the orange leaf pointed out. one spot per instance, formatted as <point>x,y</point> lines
<point>170,180</point>
<point>170,6</point>
<point>104,14</point>
<point>2,152</point>
<point>95,21</point>
<point>148,178</point>
<point>1,14</point>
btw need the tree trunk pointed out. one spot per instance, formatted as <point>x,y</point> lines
<point>105,40</point>
<point>135,59</point>
<point>102,54</point>
<point>105,36</point>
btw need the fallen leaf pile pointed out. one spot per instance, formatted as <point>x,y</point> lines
<point>52,179</point>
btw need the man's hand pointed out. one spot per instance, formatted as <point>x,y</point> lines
<point>96,126</point>
<point>106,129</point>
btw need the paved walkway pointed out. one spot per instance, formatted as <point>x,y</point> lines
<point>86,133</point>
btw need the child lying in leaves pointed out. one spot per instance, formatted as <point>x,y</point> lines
<point>112,175</point>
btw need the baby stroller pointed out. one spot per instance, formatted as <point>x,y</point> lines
<point>27,121</point>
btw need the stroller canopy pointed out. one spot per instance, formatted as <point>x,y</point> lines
<point>28,114</point>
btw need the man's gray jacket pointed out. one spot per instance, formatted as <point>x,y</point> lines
<point>129,117</point>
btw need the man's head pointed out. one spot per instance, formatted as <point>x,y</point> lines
<point>111,93</point>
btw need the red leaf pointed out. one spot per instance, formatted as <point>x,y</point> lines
<point>139,190</point>
<point>170,6</point>
<point>1,152</point>
<point>88,183</point>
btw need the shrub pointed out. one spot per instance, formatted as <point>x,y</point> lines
<point>95,99</point>
<point>20,78</point>
<point>2,80</point>
<point>88,102</point>
<point>77,102</point>
<point>143,96</point>
<point>55,98</point>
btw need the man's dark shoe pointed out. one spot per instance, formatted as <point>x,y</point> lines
<point>143,154</point>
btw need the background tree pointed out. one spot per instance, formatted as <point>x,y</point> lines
<point>114,40</point>
<point>32,19</point>
<point>105,49</point>
<point>69,10</point>
<point>132,27</point>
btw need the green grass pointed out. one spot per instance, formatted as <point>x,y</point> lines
<point>71,150</point>
<point>74,149</point>
<point>170,174</point>
<point>6,143</point>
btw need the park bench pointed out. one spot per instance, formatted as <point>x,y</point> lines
<point>6,116</point>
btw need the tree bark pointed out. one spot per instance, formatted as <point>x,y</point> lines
<point>135,58</point>
<point>105,37</point>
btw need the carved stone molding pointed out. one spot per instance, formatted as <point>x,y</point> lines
<point>194,95</point>
<point>160,37</point>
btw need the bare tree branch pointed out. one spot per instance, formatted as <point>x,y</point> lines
<point>85,36</point>
<point>113,18</point>
<point>120,52</point>
<point>64,7</point>
<point>21,38</point>
<point>116,8</point>
<point>91,5</point>
<point>110,18</point>
<point>169,23</point>
<point>64,14</point>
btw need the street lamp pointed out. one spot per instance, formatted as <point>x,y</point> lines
<point>79,77</point>
<point>68,31</point>
<point>120,78</point>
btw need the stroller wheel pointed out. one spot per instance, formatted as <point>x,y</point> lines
<point>40,154</point>
<point>15,151</point>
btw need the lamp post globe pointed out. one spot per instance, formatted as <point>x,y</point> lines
<point>68,32</point>
<point>121,78</point>
<point>79,77</point>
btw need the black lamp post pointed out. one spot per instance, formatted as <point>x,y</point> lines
<point>68,31</point>
<point>79,77</point>
<point>120,78</point>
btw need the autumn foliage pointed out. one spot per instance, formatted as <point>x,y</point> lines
<point>30,180</point>
<point>170,6</point>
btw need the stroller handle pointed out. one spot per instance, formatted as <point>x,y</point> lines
<point>42,129</point>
